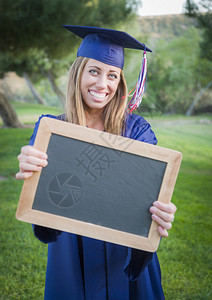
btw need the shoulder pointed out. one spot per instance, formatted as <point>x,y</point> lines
<point>59,117</point>
<point>137,128</point>
<point>32,139</point>
<point>135,120</point>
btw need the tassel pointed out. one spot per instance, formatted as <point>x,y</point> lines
<point>139,88</point>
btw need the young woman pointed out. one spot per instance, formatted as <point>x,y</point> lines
<point>79,267</point>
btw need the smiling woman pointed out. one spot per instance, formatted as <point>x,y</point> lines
<point>99,93</point>
<point>99,84</point>
<point>98,87</point>
<point>79,267</point>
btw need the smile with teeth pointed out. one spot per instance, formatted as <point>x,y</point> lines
<point>98,95</point>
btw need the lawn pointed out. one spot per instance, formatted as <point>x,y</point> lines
<point>29,113</point>
<point>185,257</point>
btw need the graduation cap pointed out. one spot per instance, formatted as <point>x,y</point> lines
<point>107,46</point>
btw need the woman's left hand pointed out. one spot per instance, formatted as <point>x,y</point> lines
<point>163,215</point>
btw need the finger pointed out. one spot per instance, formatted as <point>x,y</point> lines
<point>29,167</point>
<point>167,207</point>
<point>32,151</point>
<point>33,160</point>
<point>23,175</point>
<point>167,217</point>
<point>161,222</point>
<point>163,232</point>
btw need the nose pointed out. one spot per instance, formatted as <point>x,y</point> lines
<point>101,82</point>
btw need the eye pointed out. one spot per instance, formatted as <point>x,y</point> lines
<point>93,72</point>
<point>113,76</point>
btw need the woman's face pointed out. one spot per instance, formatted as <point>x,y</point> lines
<point>99,84</point>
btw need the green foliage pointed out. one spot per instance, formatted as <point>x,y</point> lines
<point>176,69</point>
<point>202,11</point>
<point>31,36</point>
<point>185,257</point>
<point>33,60</point>
<point>176,73</point>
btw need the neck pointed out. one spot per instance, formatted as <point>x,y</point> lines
<point>94,120</point>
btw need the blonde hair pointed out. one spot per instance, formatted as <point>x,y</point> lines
<point>114,111</point>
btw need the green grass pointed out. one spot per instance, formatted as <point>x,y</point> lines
<point>29,113</point>
<point>185,257</point>
<point>22,257</point>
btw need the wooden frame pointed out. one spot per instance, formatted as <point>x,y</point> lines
<point>47,127</point>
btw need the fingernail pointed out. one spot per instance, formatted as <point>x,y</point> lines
<point>44,156</point>
<point>153,209</point>
<point>155,203</point>
<point>154,217</point>
<point>45,163</point>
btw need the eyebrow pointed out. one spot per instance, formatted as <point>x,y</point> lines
<point>114,71</point>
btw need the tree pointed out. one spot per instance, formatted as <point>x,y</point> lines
<point>35,26</point>
<point>197,98</point>
<point>177,73</point>
<point>202,11</point>
<point>8,113</point>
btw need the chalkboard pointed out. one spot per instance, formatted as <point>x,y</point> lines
<point>98,184</point>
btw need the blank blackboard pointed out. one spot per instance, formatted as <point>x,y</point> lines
<point>98,185</point>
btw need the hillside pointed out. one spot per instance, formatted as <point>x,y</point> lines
<point>164,27</point>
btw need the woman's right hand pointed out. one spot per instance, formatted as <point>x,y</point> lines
<point>30,160</point>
